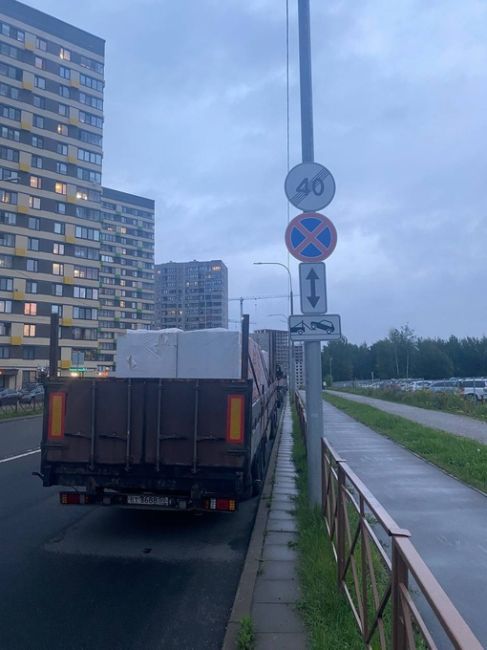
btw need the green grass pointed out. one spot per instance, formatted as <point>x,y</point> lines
<point>326,613</point>
<point>246,634</point>
<point>464,458</point>
<point>447,402</point>
<point>21,413</point>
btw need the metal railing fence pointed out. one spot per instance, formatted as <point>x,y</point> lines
<point>379,571</point>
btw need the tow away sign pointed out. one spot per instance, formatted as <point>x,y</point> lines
<point>321,327</point>
<point>312,288</point>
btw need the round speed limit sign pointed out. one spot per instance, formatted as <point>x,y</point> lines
<point>310,186</point>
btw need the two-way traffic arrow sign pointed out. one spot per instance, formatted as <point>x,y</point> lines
<point>312,288</point>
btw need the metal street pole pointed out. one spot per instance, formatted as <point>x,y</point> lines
<point>312,349</point>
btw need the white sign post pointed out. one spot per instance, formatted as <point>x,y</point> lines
<point>312,288</point>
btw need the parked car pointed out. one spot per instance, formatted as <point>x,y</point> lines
<point>323,324</point>
<point>474,389</point>
<point>9,396</point>
<point>34,396</point>
<point>445,386</point>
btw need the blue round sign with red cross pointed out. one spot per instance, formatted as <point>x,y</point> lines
<point>311,237</point>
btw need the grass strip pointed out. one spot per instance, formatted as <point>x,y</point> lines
<point>11,415</point>
<point>246,634</point>
<point>464,458</point>
<point>446,402</point>
<point>326,613</point>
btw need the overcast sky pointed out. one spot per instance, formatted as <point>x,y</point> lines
<point>195,118</point>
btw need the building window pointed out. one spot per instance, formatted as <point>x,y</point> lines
<point>32,265</point>
<point>39,62</point>
<point>6,284</point>
<point>64,72</point>
<point>60,188</point>
<point>57,269</point>
<point>5,306</point>
<point>85,313</point>
<point>38,122</point>
<point>57,289</point>
<point>35,182</point>
<point>64,91</point>
<point>34,202</point>
<point>7,239</point>
<point>30,309</point>
<point>29,330</point>
<point>36,161</point>
<point>37,142</point>
<point>33,244</point>
<point>58,249</point>
<point>62,109</point>
<point>61,208</point>
<point>31,286</point>
<point>61,168</point>
<point>59,227</point>
<point>38,102</point>
<point>62,129</point>
<point>64,54</point>
<point>57,309</point>
<point>40,82</point>
<point>28,352</point>
<point>41,44</point>
<point>87,233</point>
<point>34,223</point>
<point>6,261</point>
<point>8,197</point>
<point>62,149</point>
<point>4,350</point>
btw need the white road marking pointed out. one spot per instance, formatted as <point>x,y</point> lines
<point>27,453</point>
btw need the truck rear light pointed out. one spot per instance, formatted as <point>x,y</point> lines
<point>226,505</point>
<point>57,406</point>
<point>75,498</point>
<point>235,419</point>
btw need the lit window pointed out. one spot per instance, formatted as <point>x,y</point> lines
<point>58,249</point>
<point>60,188</point>
<point>29,330</point>
<point>57,269</point>
<point>64,54</point>
<point>81,194</point>
<point>36,182</point>
<point>62,129</point>
<point>30,309</point>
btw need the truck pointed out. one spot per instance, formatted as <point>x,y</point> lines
<point>176,443</point>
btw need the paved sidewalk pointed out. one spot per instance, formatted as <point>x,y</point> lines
<point>276,622</point>
<point>459,425</point>
<point>447,519</point>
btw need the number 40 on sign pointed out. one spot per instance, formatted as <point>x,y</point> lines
<point>310,186</point>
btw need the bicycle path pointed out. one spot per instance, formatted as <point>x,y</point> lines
<point>447,519</point>
<point>459,425</point>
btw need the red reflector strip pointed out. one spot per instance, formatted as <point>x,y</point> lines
<point>227,505</point>
<point>235,419</point>
<point>75,498</point>
<point>57,403</point>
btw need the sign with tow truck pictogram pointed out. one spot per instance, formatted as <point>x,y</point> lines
<point>321,327</point>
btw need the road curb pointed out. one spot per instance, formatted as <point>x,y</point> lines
<point>243,598</point>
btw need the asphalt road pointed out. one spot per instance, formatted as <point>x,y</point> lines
<point>459,425</point>
<point>75,578</point>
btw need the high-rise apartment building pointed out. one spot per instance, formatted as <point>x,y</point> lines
<point>191,295</point>
<point>276,344</point>
<point>127,269</point>
<point>51,126</point>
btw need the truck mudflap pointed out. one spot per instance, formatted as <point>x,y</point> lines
<point>148,501</point>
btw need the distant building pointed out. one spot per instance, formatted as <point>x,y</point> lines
<point>191,295</point>
<point>276,344</point>
<point>127,269</point>
<point>299,364</point>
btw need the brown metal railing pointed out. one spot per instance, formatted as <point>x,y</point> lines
<point>378,568</point>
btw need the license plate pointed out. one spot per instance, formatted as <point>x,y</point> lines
<point>147,500</point>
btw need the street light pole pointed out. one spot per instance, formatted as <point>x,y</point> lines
<point>312,349</point>
<point>292,369</point>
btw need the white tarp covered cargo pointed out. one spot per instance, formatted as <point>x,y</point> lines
<point>146,353</point>
<point>209,354</point>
